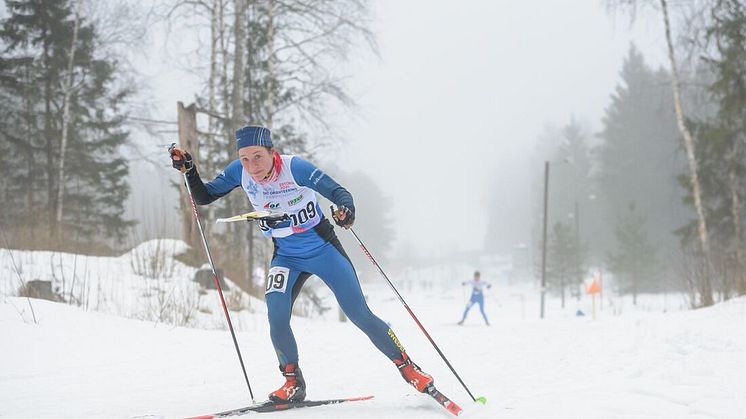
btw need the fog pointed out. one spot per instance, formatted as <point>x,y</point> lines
<point>448,115</point>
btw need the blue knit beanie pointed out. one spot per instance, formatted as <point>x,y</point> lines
<point>253,135</point>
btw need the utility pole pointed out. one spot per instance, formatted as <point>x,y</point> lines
<point>578,242</point>
<point>544,238</point>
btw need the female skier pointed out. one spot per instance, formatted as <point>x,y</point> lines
<point>304,245</point>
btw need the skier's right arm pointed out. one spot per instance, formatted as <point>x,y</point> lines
<point>205,193</point>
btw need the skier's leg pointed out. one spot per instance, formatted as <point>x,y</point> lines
<point>282,287</point>
<point>481,309</point>
<point>338,273</point>
<point>336,270</point>
<point>466,310</point>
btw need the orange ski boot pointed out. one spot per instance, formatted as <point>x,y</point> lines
<point>294,389</point>
<point>412,373</point>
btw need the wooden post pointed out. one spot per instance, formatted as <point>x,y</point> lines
<point>187,120</point>
<point>250,276</point>
<point>601,293</point>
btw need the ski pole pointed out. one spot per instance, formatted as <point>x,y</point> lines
<point>416,320</point>
<point>217,282</point>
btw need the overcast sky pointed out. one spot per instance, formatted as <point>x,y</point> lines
<point>452,109</point>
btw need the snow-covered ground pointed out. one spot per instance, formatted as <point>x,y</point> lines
<point>146,283</point>
<point>84,360</point>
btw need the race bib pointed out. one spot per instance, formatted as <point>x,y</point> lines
<point>277,279</point>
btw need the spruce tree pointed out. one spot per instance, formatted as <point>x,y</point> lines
<point>721,149</point>
<point>639,157</point>
<point>565,261</point>
<point>36,40</point>
<point>633,263</point>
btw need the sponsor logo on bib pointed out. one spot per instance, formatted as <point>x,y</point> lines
<point>295,200</point>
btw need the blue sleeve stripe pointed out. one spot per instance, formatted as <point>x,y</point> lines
<point>308,175</point>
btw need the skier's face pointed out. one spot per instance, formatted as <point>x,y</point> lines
<point>257,161</point>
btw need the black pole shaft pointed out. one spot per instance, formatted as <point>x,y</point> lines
<point>217,283</point>
<point>544,238</point>
<point>416,320</point>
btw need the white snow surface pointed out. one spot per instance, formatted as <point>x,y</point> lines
<point>108,360</point>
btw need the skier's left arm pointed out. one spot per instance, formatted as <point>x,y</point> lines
<point>224,182</point>
<point>205,193</point>
<point>306,174</point>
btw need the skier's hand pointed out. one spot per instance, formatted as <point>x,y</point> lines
<point>266,225</point>
<point>180,159</point>
<point>344,216</point>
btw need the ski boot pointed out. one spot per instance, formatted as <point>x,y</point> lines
<point>294,389</point>
<point>412,373</point>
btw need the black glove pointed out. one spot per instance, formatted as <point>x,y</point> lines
<point>265,224</point>
<point>181,160</point>
<point>344,216</point>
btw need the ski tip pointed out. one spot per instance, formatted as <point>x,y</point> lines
<point>355,399</point>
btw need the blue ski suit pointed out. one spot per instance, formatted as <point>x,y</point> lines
<point>477,297</point>
<point>305,245</point>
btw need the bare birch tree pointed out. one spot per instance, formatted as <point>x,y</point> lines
<point>686,136</point>
<point>68,87</point>
<point>705,286</point>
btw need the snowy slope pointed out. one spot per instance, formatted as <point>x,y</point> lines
<point>640,364</point>
<point>146,283</point>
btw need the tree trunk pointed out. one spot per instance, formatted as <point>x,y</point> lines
<point>238,64</point>
<point>48,134</point>
<point>226,101</point>
<point>214,38</point>
<point>241,236</point>
<point>270,102</point>
<point>705,287</point>
<point>187,119</point>
<point>30,186</point>
<point>66,123</point>
<point>224,70</point>
<point>210,156</point>
<point>736,214</point>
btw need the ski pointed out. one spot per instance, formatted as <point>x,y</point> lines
<point>442,400</point>
<point>269,406</point>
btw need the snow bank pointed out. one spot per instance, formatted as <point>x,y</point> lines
<point>146,283</point>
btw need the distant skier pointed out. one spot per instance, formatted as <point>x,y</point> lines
<point>305,245</point>
<point>477,296</point>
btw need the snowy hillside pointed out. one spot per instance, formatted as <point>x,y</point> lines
<point>644,363</point>
<point>146,283</point>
